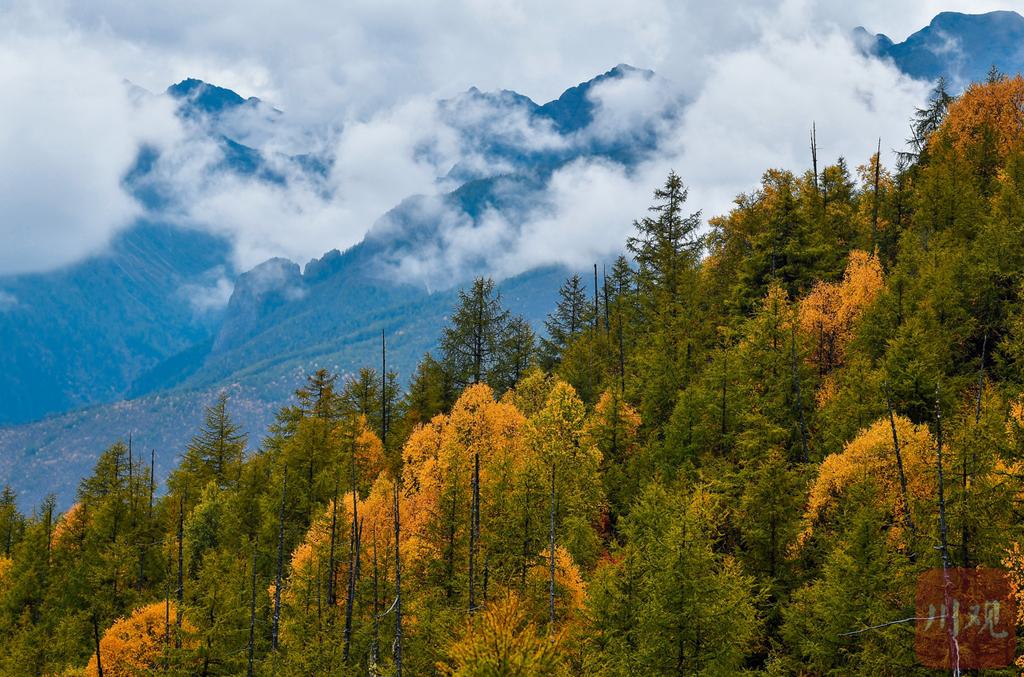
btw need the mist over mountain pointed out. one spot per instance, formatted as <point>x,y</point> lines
<point>139,337</point>
<point>176,317</point>
<point>179,278</point>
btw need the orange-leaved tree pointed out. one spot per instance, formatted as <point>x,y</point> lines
<point>871,457</point>
<point>828,314</point>
<point>136,644</point>
<point>987,113</point>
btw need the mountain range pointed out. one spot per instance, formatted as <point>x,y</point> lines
<point>960,47</point>
<point>139,338</point>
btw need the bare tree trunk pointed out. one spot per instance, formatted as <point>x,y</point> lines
<point>526,537</point>
<point>353,568</point>
<point>116,521</point>
<point>131,481</point>
<point>478,338</point>
<point>819,180</point>
<point>981,381</point>
<point>487,573</point>
<point>965,535</point>
<point>814,156</point>
<point>181,570</point>
<point>597,305</point>
<point>96,637</point>
<point>280,562</point>
<point>375,642</point>
<point>331,598</point>
<point>398,583</point>
<point>799,399</point>
<point>622,360</point>
<point>359,551</point>
<point>476,501</point>
<point>252,612</point>
<point>49,528</point>
<point>473,535</point>
<point>943,540</point>
<point>899,466</point>
<point>551,557</point>
<point>167,605</point>
<point>874,208</point>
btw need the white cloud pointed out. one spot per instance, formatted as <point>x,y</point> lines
<point>69,131</point>
<point>758,105</point>
<point>585,213</point>
<point>357,82</point>
<point>376,163</point>
<point>753,113</point>
<point>315,59</point>
<point>213,295</point>
<point>628,105</point>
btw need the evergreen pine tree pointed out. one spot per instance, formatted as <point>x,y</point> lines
<point>216,453</point>
<point>471,343</point>
<point>572,315</point>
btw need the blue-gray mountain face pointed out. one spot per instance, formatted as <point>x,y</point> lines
<point>140,338</point>
<point>81,335</point>
<point>960,47</point>
<point>129,329</point>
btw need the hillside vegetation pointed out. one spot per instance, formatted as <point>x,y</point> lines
<point>733,450</point>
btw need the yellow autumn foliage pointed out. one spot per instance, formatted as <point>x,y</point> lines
<point>503,641</point>
<point>134,645</point>
<point>442,451</point>
<point>1015,421</point>
<point>829,312</point>
<point>310,558</point>
<point>988,110</point>
<point>69,527</point>
<point>6,564</point>
<point>1014,563</point>
<point>570,588</point>
<point>304,558</point>
<point>613,424</point>
<point>530,393</point>
<point>369,450</point>
<point>870,456</point>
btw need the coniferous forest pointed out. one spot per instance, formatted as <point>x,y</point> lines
<point>733,449</point>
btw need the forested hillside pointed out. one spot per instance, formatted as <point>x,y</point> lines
<point>734,450</point>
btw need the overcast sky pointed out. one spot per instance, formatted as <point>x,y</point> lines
<point>359,79</point>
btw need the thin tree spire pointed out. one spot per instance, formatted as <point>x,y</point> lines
<point>280,561</point>
<point>551,558</point>
<point>874,208</point>
<point>899,464</point>
<point>252,610</point>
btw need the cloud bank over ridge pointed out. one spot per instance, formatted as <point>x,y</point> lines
<point>753,76</point>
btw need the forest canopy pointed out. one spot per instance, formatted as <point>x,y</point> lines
<point>734,450</point>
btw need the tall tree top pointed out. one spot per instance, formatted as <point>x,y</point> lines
<point>667,243</point>
<point>471,341</point>
<point>217,451</point>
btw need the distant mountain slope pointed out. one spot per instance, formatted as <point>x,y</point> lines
<point>118,338</point>
<point>260,370</point>
<point>961,47</point>
<point>52,455</point>
<point>122,324</point>
<point>82,334</point>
